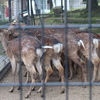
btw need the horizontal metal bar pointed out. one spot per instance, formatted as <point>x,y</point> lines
<point>51,84</point>
<point>52,26</point>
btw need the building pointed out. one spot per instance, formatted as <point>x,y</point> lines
<point>43,7</point>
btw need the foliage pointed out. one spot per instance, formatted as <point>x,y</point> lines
<point>57,10</point>
<point>3,22</point>
<point>51,12</point>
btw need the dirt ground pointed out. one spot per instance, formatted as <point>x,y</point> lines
<point>52,92</point>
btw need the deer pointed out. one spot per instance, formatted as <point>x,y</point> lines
<point>51,54</point>
<point>54,56</point>
<point>31,53</point>
<point>84,48</point>
<point>83,39</point>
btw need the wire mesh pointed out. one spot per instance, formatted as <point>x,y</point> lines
<point>40,21</point>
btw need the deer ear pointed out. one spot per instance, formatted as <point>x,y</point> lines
<point>7,31</point>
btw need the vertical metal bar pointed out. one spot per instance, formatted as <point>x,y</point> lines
<point>21,8</point>
<point>66,46</point>
<point>9,5</point>
<point>89,63</point>
<point>20,66</point>
<point>62,11</point>
<point>42,26</point>
<point>28,6</point>
<point>38,12</point>
<point>19,53</point>
<point>32,15</point>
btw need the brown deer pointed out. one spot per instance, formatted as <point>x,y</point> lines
<point>94,43</point>
<point>31,52</point>
<point>84,36</point>
<point>53,52</point>
<point>54,56</point>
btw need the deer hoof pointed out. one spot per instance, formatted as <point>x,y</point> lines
<point>70,78</point>
<point>38,91</point>
<point>18,88</point>
<point>33,89</point>
<point>42,95</point>
<point>11,90</point>
<point>84,86</point>
<point>62,91</point>
<point>27,95</point>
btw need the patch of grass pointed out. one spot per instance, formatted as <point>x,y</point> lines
<point>96,30</point>
<point>3,22</point>
<point>76,16</point>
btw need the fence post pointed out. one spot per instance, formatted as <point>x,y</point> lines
<point>9,5</point>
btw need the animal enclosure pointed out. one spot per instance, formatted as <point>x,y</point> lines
<point>53,55</point>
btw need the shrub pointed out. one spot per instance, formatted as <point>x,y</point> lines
<point>57,10</point>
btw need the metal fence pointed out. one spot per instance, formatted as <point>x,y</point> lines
<point>66,23</point>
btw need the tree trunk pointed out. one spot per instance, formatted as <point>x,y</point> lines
<point>51,5</point>
<point>94,4</point>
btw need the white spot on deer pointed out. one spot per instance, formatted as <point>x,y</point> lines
<point>96,42</point>
<point>39,52</point>
<point>80,43</point>
<point>58,47</point>
<point>46,47</point>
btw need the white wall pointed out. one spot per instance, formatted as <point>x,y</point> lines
<point>70,4</point>
<point>58,3</point>
<point>76,4</point>
<point>17,7</point>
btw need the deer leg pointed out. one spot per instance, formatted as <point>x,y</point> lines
<point>33,78</point>
<point>49,71</point>
<point>19,75</point>
<point>98,74</point>
<point>94,73</point>
<point>60,68</point>
<point>25,75</point>
<point>82,65</point>
<point>39,68</point>
<point>13,64</point>
<point>30,89</point>
<point>70,69</point>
